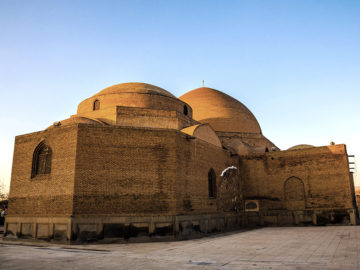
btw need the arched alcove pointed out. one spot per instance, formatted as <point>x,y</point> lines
<point>294,193</point>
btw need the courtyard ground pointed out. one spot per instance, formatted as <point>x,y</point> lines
<point>330,247</point>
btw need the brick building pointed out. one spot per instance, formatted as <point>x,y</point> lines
<point>136,162</point>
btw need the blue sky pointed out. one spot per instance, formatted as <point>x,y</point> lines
<point>294,64</point>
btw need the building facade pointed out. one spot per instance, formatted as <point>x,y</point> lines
<point>137,163</point>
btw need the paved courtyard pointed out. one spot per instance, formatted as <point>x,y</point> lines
<point>332,247</point>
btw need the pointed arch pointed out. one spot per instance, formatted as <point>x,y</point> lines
<point>41,163</point>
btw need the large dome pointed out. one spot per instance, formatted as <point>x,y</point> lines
<point>222,112</point>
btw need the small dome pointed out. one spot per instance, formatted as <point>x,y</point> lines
<point>221,111</point>
<point>77,120</point>
<point>301,146</point>
<point>134,87</point>
<point>136,95</point>
<point>82,120</point>
<point>203,132</point>
<point>237,146</point>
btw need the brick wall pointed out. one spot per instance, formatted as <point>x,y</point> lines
<point>323,170</point>
<point>44,195</point>
<point>124,171</point>
<point>194,160</point>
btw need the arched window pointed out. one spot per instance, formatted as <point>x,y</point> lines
<point>212,183</point>
<point>41,160</point>
<point>186,110</point>
<point>96,105</point>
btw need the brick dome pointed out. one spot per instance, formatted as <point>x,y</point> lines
<point>139,95</point>
<point>222,112</point>
<point>301,146</point>
<point>134,87</point>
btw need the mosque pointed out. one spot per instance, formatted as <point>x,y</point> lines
<point>137,163</point>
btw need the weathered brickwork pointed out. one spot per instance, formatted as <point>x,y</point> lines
<point>322,175</point>
<point>125,171</point>
<point>195,158</point>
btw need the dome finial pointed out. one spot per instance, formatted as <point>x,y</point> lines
<point>203,83</point>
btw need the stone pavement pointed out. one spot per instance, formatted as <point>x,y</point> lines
<point>331,247</point>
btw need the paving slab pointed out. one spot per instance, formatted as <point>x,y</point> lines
<point>328,247</point>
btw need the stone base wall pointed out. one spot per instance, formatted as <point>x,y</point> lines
<point>38,228</point>
<point>120,229</point>
<point>162,228</point>
<point>300,217</point>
